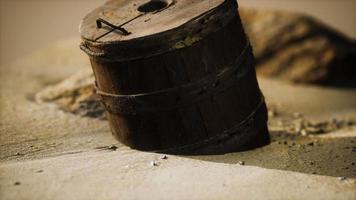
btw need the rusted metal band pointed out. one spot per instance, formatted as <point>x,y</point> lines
<point>182,96</point>
<point>187,35</point>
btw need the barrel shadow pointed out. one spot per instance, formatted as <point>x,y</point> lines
<point>311,155</point>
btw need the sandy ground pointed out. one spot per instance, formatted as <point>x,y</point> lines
<point>49,154</point>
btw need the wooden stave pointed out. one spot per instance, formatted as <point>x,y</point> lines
<point>189,125</point>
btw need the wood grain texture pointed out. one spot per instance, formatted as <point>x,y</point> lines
<point>121,11</point>
<point>213,52</point>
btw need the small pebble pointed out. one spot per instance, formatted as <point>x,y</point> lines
<point>164,157</point>
<point>298,130</point>
<point>39,171</point>
<point>113,147</point>
<point>311,144</point>
<point>342,178</point>
<point>304,132</point>
<point>241,162</point>
<point>17,183</point>
<point>153,163</point>
<point>349,123</point>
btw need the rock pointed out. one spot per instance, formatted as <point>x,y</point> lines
<point>304,133</point>
<point>310,144</point>
<point>299,48</point>
<point>298,125</point>
<point>241,163</point>
<point>153,163</point>
<point>113,147</point>
<point>75,94</point>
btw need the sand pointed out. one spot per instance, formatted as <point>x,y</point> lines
<point>47,153</point>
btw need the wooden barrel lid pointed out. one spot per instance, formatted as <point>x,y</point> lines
<point>152,17</point>
<point>131,29</point>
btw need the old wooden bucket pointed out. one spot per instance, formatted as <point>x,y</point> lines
<point>176,76</point>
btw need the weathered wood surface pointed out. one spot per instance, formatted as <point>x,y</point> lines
<point>121,11</point>
<point>220,43</point>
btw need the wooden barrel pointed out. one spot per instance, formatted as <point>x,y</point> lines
<point>176,76</point>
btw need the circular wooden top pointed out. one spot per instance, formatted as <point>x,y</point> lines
<point>124,20</point>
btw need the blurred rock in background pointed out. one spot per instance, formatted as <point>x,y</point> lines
<point>300,49</point>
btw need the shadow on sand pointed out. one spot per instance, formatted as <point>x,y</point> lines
<point>312,155</point>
